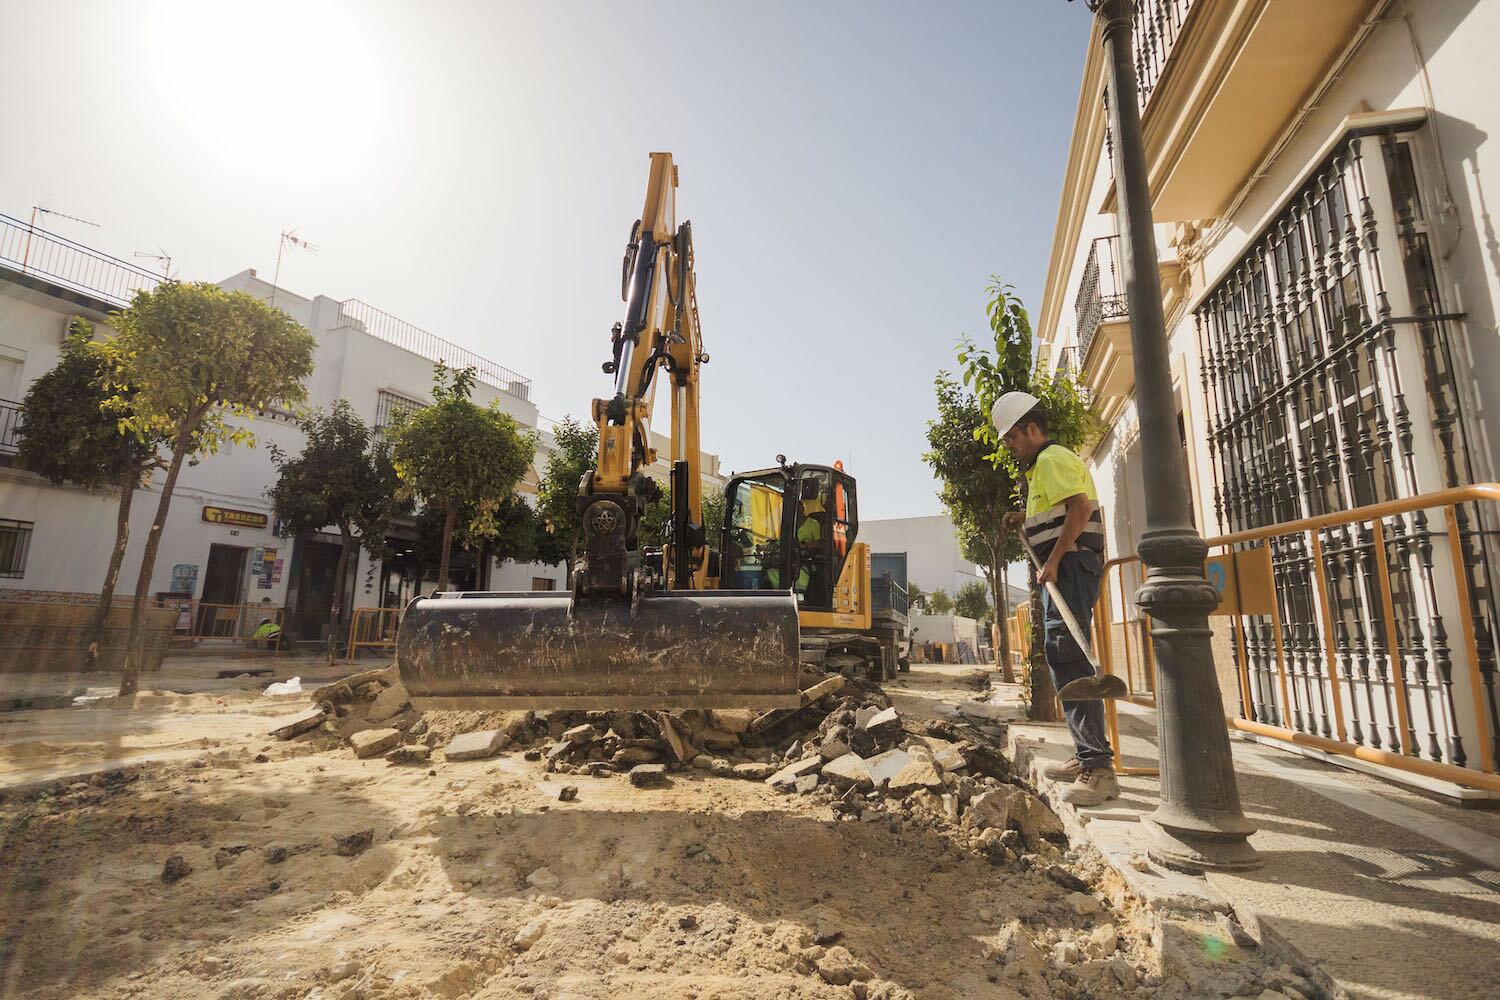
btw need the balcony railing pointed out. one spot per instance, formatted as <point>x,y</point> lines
<point>62,262</point>
<point>1101,292</point>
<point>1158,24</point>
<point>10,424</point>
<point>404,335</point>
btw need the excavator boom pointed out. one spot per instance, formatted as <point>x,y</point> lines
<point>638,628</point>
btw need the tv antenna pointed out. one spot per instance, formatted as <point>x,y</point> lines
<point>163,258</point>
<point>289,238</point>
<point>39,210</point>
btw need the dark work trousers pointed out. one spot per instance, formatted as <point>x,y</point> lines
<point>1078,577</point>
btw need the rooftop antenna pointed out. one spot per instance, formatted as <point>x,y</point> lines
<point>289,238</point>
<point>39,210</point>
<point>163,258</point>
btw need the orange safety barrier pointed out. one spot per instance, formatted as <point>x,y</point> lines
<point>373,628</point>
<point>1399,643</point>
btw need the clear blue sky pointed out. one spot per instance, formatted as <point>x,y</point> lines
<point>853,171</point>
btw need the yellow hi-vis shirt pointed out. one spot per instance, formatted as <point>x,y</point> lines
<point>1056,476</point>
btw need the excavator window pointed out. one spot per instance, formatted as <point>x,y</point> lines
<point>752,548</point>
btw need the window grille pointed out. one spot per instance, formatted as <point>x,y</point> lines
<point>15,542</point>
<point>389,406</point>
<point>1314,408</point>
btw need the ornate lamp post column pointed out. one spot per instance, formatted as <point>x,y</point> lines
<point>1199,824</point>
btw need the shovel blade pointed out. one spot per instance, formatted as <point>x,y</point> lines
<point>1100,687</point>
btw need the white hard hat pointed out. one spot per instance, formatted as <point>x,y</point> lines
<point>1010,408</point>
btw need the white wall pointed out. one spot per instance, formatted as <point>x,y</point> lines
<point>931,546</point>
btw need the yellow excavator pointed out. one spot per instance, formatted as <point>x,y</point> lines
<point>644,626</point>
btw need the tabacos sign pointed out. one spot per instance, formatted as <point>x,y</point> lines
<point>231,518</point>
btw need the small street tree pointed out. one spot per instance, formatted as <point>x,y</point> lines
<point>973,601</point>
<point>915,596</point>
<point>187,357</point>
<point>939,603</point>
<point>458,457</point>
<point>338,479</point>
<point>67,436</point>
<point>576,452</point>
<point>978,483</point>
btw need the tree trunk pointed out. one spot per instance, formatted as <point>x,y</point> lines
<point>1043,705</point>
<point>336,609</point>
<point>1002,616</point>
<point>447,546</point>
<point>112,575</point>
<point>135,642</point>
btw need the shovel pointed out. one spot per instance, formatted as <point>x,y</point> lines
<point>1101,686</point>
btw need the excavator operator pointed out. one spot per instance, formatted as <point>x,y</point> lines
<point>811,531</point>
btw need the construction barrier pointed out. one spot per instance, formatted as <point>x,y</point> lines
<point>232,624</point>
<point>373,628</point>
<point>1368,633</point>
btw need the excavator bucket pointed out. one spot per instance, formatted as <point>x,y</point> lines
<point>671,649</point>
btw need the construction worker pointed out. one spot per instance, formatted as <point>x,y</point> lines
<point>1065,526</point>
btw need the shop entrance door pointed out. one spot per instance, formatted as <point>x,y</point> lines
<point>223,590</point>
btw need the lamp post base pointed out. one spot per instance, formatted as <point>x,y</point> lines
<point>1196,847</point>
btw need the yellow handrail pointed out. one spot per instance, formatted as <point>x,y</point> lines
<point>1382,616</point>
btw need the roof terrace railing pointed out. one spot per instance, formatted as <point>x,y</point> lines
<point>59,260</point>
<point>393,330</point>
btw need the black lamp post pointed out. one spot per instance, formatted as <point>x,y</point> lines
<point>1198,824</point>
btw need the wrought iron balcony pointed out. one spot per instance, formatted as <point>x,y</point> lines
<point>1101,292</point>
<point>1158,24</point>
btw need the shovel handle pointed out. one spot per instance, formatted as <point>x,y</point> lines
<point>1063,610</point>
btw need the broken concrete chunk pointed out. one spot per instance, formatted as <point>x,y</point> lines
<point>864,715</point>
<point>847,772</point>
<point>733,720</point>
<point>476,746</point>
<point>833,748</point>
<point>1031,816</point>
<point>989,810</point>
<point>916,775</point>
<point>414,754</point>
<point>648,775</point>
<point>543,879</point>
<point>982,711</point>
<point>580,734</point>
<point>839,968</point>
<point>883,767</point>
<point>754,770</point>
<point>567,793</point>
<point>630,756</point>
<point>887,719</point>
<point>373,742</point>
<point>354,844</point>
<point>823,688</point>
<point>805,783</point>
<point>675,742</point>
<point>389,702</point>
<point>530,933</point>
<point>176,869</point>
<point>559,749</point>
<point>296,725</point>
<point>1082,903</point>
<point>789,774</point>
<point>950,759</point>
<point>703,762</point>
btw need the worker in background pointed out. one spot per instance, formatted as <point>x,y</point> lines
<point>1065,525</point>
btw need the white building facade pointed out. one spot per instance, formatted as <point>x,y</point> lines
<point>221,544</point>
<point>930,544</point>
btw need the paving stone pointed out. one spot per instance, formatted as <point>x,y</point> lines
<point>787,775</point>
<point>648,775</point>
<point>917,774</point>
<point>389,702</point>
<point>476,746</point>
<point>373,742</point>
<point>847,772</point>
<point>982,710</point>
<point>950,759</point>
<point>295,725</point>
<point>883,767</point>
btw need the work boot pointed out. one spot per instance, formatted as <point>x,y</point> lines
<point>1092,787</point>
<point>1066,771</point>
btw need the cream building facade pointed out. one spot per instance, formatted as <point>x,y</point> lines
<point>1321,177</point>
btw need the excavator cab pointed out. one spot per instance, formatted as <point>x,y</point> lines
<point>789,527</point>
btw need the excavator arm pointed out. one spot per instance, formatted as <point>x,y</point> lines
<point>633,631</point>
<point>658,340</point>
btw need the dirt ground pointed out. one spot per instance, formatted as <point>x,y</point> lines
<point>480,883</point>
